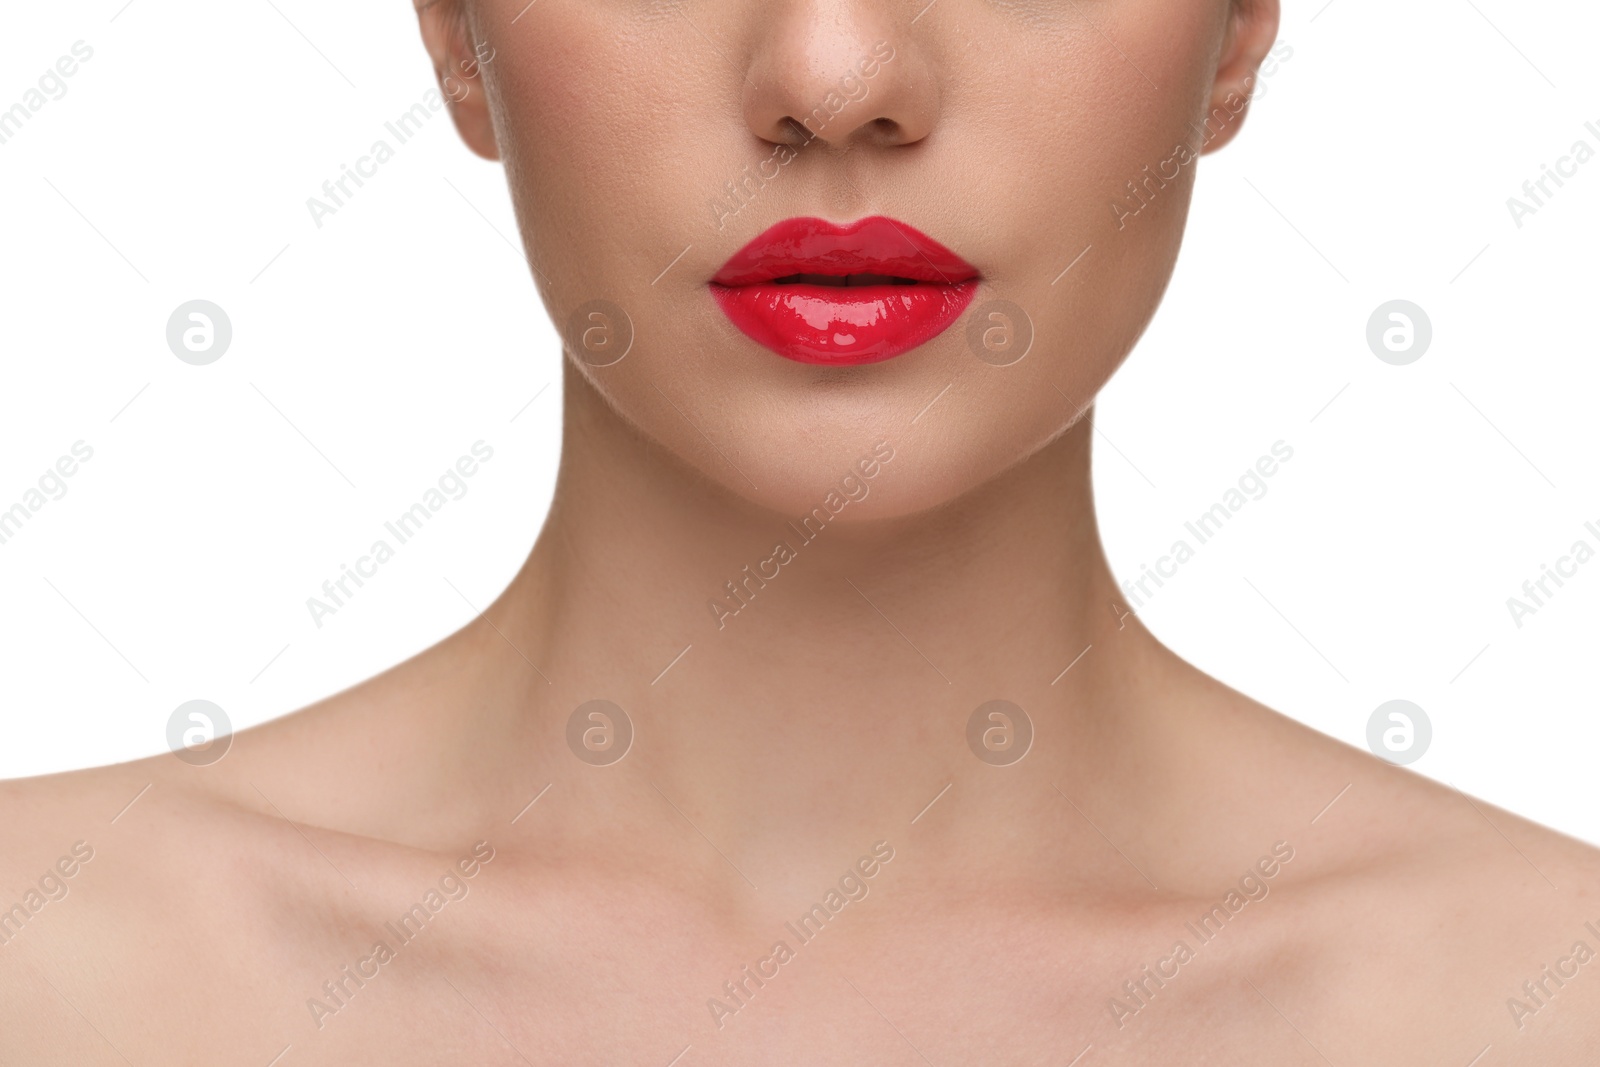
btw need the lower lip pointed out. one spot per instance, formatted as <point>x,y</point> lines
<point>841,326</point>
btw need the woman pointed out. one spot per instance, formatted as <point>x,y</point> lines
<point>815,728</point>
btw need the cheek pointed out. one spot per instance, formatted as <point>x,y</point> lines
<point>1059,141</point>
<point>597,114</point>
<point>613,126</point>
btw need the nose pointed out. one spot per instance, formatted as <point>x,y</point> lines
<point>844,72</point>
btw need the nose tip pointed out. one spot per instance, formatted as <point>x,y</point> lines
<point>842,84</point>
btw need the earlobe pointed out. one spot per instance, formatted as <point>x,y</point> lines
<point>458,66</point>
<point>1252,27</point>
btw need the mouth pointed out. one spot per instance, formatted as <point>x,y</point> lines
<point>821,293</point>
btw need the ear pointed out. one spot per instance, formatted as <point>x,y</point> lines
<point>458,67</point>
<point>1252,27</point>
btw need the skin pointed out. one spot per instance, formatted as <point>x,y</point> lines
<point>831,712</point>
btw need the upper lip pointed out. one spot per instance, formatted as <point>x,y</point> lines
<point>870,251</point>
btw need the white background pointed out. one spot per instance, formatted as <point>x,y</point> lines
<point>369,354</point>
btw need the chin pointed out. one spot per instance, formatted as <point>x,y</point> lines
<point>864,467</point>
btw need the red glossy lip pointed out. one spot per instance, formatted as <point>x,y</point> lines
<point>897,288</point>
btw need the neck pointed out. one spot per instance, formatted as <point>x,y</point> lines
<point>826,698</point>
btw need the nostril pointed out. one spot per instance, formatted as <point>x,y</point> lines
<point>795,133</point>
<point>886,131</point>
<point>881,132</point>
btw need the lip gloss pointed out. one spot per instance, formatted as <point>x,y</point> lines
<point>843,295</point>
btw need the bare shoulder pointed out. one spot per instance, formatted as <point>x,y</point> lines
<point>1417,923</point>
<point>99,866</point>
<point>142,904</point>
<point>54,829</point>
